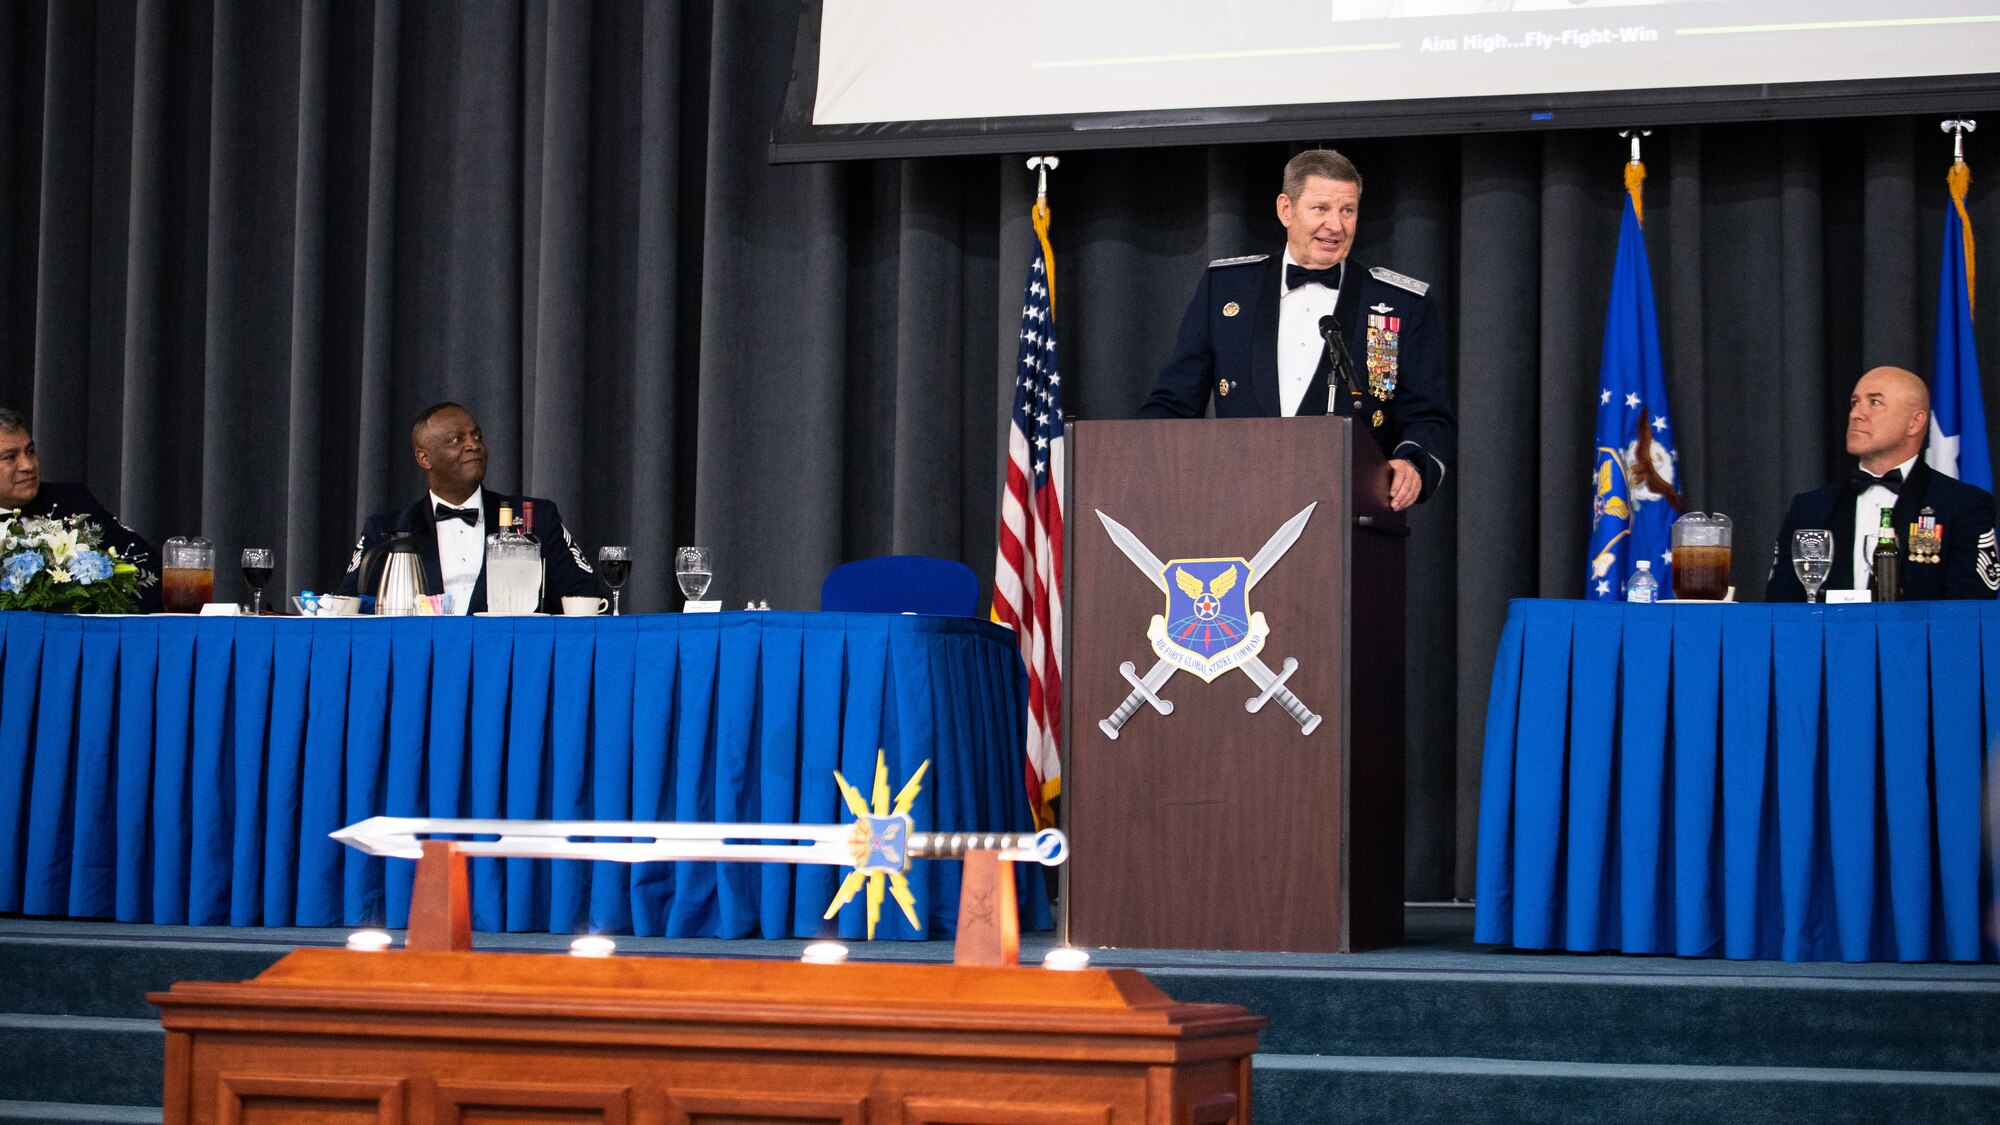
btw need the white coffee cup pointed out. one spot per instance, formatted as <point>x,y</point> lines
<point>583,605</point>
<point>338,605</point>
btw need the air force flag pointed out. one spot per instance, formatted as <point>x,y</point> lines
<point>1633,491</point>
<point>1958,417</point>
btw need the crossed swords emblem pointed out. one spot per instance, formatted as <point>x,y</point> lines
<point>1270,685</point>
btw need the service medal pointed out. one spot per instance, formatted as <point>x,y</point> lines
<point>1384,340</point>
<point>1926,538</point>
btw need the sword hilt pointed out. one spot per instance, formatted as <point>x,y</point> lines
<point>1307,721</point>
<point>1048,846</point>
<point>1141,693</point>
<point>1117,718</point>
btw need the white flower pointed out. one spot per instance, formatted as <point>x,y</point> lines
<point>60,542</point>
<point>58,575</point>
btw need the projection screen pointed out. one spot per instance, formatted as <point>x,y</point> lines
<point>908,77</point>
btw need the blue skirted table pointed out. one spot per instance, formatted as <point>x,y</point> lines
<point>1752,781</point>
<point>187,770</point>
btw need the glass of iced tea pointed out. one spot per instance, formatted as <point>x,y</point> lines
<point>1701,557</point>
<point>187,574</point>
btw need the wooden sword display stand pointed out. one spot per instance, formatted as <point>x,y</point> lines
<point>439,1033</point>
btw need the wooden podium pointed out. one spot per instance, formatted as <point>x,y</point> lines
<point>329,1035</point>
<point>1213,827</point>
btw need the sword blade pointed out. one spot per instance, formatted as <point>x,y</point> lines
<point>1259,672</point>
<point>1141,556</point>
<point>1275,547</point>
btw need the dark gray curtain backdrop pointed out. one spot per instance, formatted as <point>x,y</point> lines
<point>242,242</point>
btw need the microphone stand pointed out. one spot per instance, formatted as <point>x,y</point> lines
<point>1343,367</point>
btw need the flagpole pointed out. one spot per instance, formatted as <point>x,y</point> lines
<point>1959,181</point>
<point>1635,171</point>
<point>1042,166</point>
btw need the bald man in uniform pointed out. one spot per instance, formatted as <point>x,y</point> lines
<point>1944,527</point>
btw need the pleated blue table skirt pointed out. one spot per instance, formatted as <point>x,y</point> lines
<point>1752,781</point>
<point>187,770</point>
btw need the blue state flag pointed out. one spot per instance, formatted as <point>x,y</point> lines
<point>1958,415</point>
<point>1634,492</point>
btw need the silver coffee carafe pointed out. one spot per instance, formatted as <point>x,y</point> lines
<point>400,584</point>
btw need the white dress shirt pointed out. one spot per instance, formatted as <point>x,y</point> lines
<point>1300,345</point>
<point>461,549</point>
<point>1868,525</point>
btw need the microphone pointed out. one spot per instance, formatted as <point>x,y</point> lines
<point>1343,367</point>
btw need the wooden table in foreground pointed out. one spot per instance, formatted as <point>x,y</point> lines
<point>458,1037</point>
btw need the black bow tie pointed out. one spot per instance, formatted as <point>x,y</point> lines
<point>1891,480</point>
<point>1296,276</point>
<point>469,515</point>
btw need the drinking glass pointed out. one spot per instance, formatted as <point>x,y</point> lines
<point>694,568</point>
<point>1812,559</point>
<point>257,564</point>
<point>615,563</point>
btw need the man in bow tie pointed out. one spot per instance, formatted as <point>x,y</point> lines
<point>1944,527</point>
<point>22,489</point>
<point>1255,339</point>
<point>452,520</point>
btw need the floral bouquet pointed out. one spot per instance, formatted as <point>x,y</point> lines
<point>59,564</point>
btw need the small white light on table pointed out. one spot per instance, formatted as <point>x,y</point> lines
<point>824,953</point>
<point>1066,960</point>
<point>592,945</point>
<point>369,941</point>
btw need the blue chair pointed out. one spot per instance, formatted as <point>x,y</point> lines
<point>901,584</point>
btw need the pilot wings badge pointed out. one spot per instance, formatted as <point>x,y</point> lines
<point>1208,627</point>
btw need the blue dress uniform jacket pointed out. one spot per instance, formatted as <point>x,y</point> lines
<point>1965,568</point>
<point>563,567</point>
<point>1227,351</point>
<point>68,498</point>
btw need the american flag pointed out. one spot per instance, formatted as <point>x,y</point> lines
<point>1027,578</point>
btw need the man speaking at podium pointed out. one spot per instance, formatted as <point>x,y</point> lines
<point>1260,335</point>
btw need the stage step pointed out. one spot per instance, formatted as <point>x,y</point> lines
<point>1437,1032</point>
<point>1392,1090</point>
<point>71,1114</point>
<point>1680,1019</point>
<point>92,1060</point>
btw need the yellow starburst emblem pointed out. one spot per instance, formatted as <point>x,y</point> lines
<point>880,842</point>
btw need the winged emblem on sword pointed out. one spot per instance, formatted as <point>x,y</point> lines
<point>1208,627</point>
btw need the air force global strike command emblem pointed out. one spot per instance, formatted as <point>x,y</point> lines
<point>1208,627</point>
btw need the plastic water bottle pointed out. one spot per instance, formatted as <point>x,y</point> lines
<point>1642,586</point>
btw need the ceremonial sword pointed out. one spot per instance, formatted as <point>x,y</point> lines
<point>1270,684</point>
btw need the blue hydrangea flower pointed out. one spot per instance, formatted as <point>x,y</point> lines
<point>87,566</point>
<point>17,570</point>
